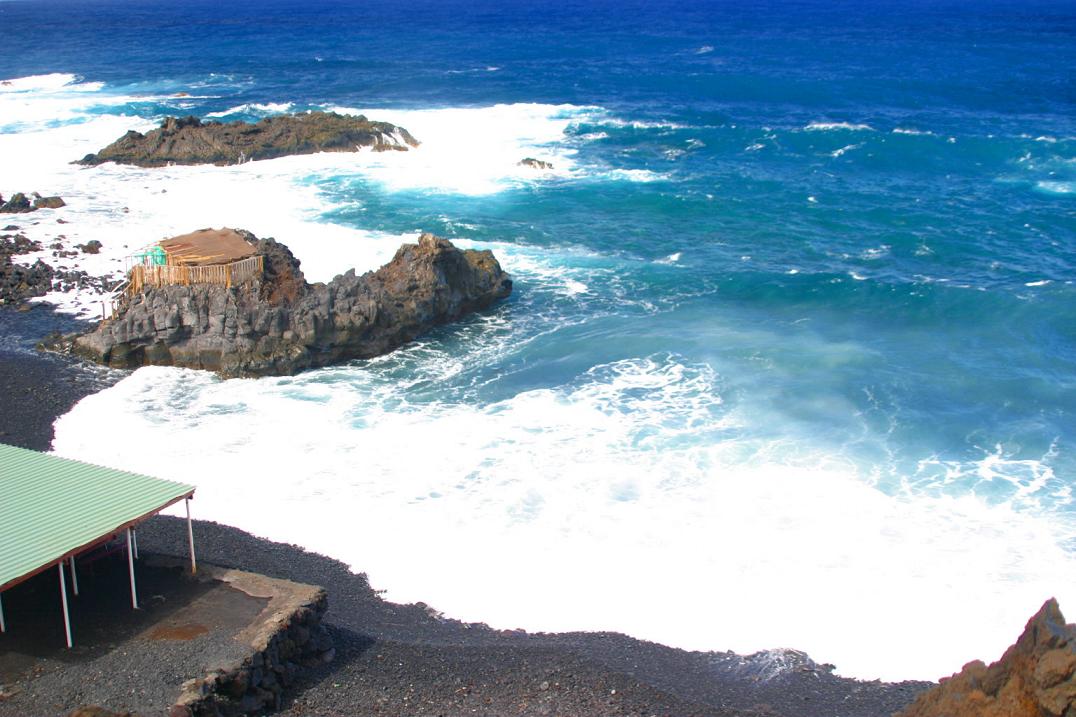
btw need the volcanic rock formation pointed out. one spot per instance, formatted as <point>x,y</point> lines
<point>279,324</point>
<point>188,140</point>
<point>1036,677</point>
<point>18,282</point>
<point>19,203</point>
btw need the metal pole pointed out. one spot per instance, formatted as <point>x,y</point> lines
<point>74,576</point>
<point>190,537</point>
<point>63,598</point>
<point>130,569</point>
<point>134,535</point>
<point>3,625</point>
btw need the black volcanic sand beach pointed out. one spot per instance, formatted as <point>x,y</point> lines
<point>408,659</point>
<point>36,387</point>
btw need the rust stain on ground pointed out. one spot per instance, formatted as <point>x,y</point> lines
<point>178,632</point>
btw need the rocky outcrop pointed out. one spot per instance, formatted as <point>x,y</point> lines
<point>188,140</point>
<point>19,203</point>
<point>19,282</point>
<point>49,202</point>
<point>280,324</point>
<point>534,163</point>
<point>1036,677</point>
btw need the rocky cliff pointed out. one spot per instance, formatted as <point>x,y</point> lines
<point>280,324</point>
<point>188,140</point>
<point>1036,677</point>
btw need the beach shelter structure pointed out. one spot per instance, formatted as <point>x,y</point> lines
<point>52,510</point>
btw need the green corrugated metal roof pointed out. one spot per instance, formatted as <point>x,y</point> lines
<point>51,506</point>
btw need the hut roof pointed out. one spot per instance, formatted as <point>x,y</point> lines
<point>207,246</point>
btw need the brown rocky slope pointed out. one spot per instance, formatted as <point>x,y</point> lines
<point>1036,677</point>
<point>188,140</point>
<point>279,324</point>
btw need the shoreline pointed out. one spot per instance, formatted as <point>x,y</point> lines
<point>408,658</point>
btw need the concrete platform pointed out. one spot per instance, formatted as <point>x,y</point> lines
<point>190,640</point>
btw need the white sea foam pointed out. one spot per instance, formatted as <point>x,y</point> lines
<point>838,126</point>
<point>610,121</point>
<point>875,253</point>
<point>914,132</point>
<point>704,50</point>
<point>50,82</point>
<point>633,175</point>
<point>38,102</point>
<point>1056,187</point>
<point>474,150</point>
<point>617,485</point>
<point>267,108</point>
<point>843,150</point>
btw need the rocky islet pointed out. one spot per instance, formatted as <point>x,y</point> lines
<point>279,324</point>
<point>189,140</point>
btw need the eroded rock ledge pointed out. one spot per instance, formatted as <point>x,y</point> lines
<point>279,324</point>
<point>1036,677</point>
<point>189,140</point>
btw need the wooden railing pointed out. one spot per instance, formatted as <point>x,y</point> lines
<point>229,275</point>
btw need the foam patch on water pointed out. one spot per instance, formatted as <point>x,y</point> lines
<point>474,151</point>
<point>914,132</point>
<point>838,126</point>
<point>589,505</point>
<point>844,150</point>
<point>253,108</point>
<point>1063,189</point>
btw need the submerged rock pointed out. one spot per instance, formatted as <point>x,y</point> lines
<point>188,140</point>
<point>1036,677</point>
<point>279,324</point>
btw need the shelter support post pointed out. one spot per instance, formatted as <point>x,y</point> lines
<point>63,599</point>
<point>190,537</point>
<point>130,569</point>
<point>74,576</point>
<point>3,625</point>
<point>134,537</point>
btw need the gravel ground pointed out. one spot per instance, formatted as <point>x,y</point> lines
<point>408,660</point>
<point>36,388</point>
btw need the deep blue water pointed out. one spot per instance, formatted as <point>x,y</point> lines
<point>859,229</point>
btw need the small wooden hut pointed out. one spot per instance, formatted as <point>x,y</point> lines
<point>207,256</point>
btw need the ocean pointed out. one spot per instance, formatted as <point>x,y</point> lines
<point>791,355</point>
